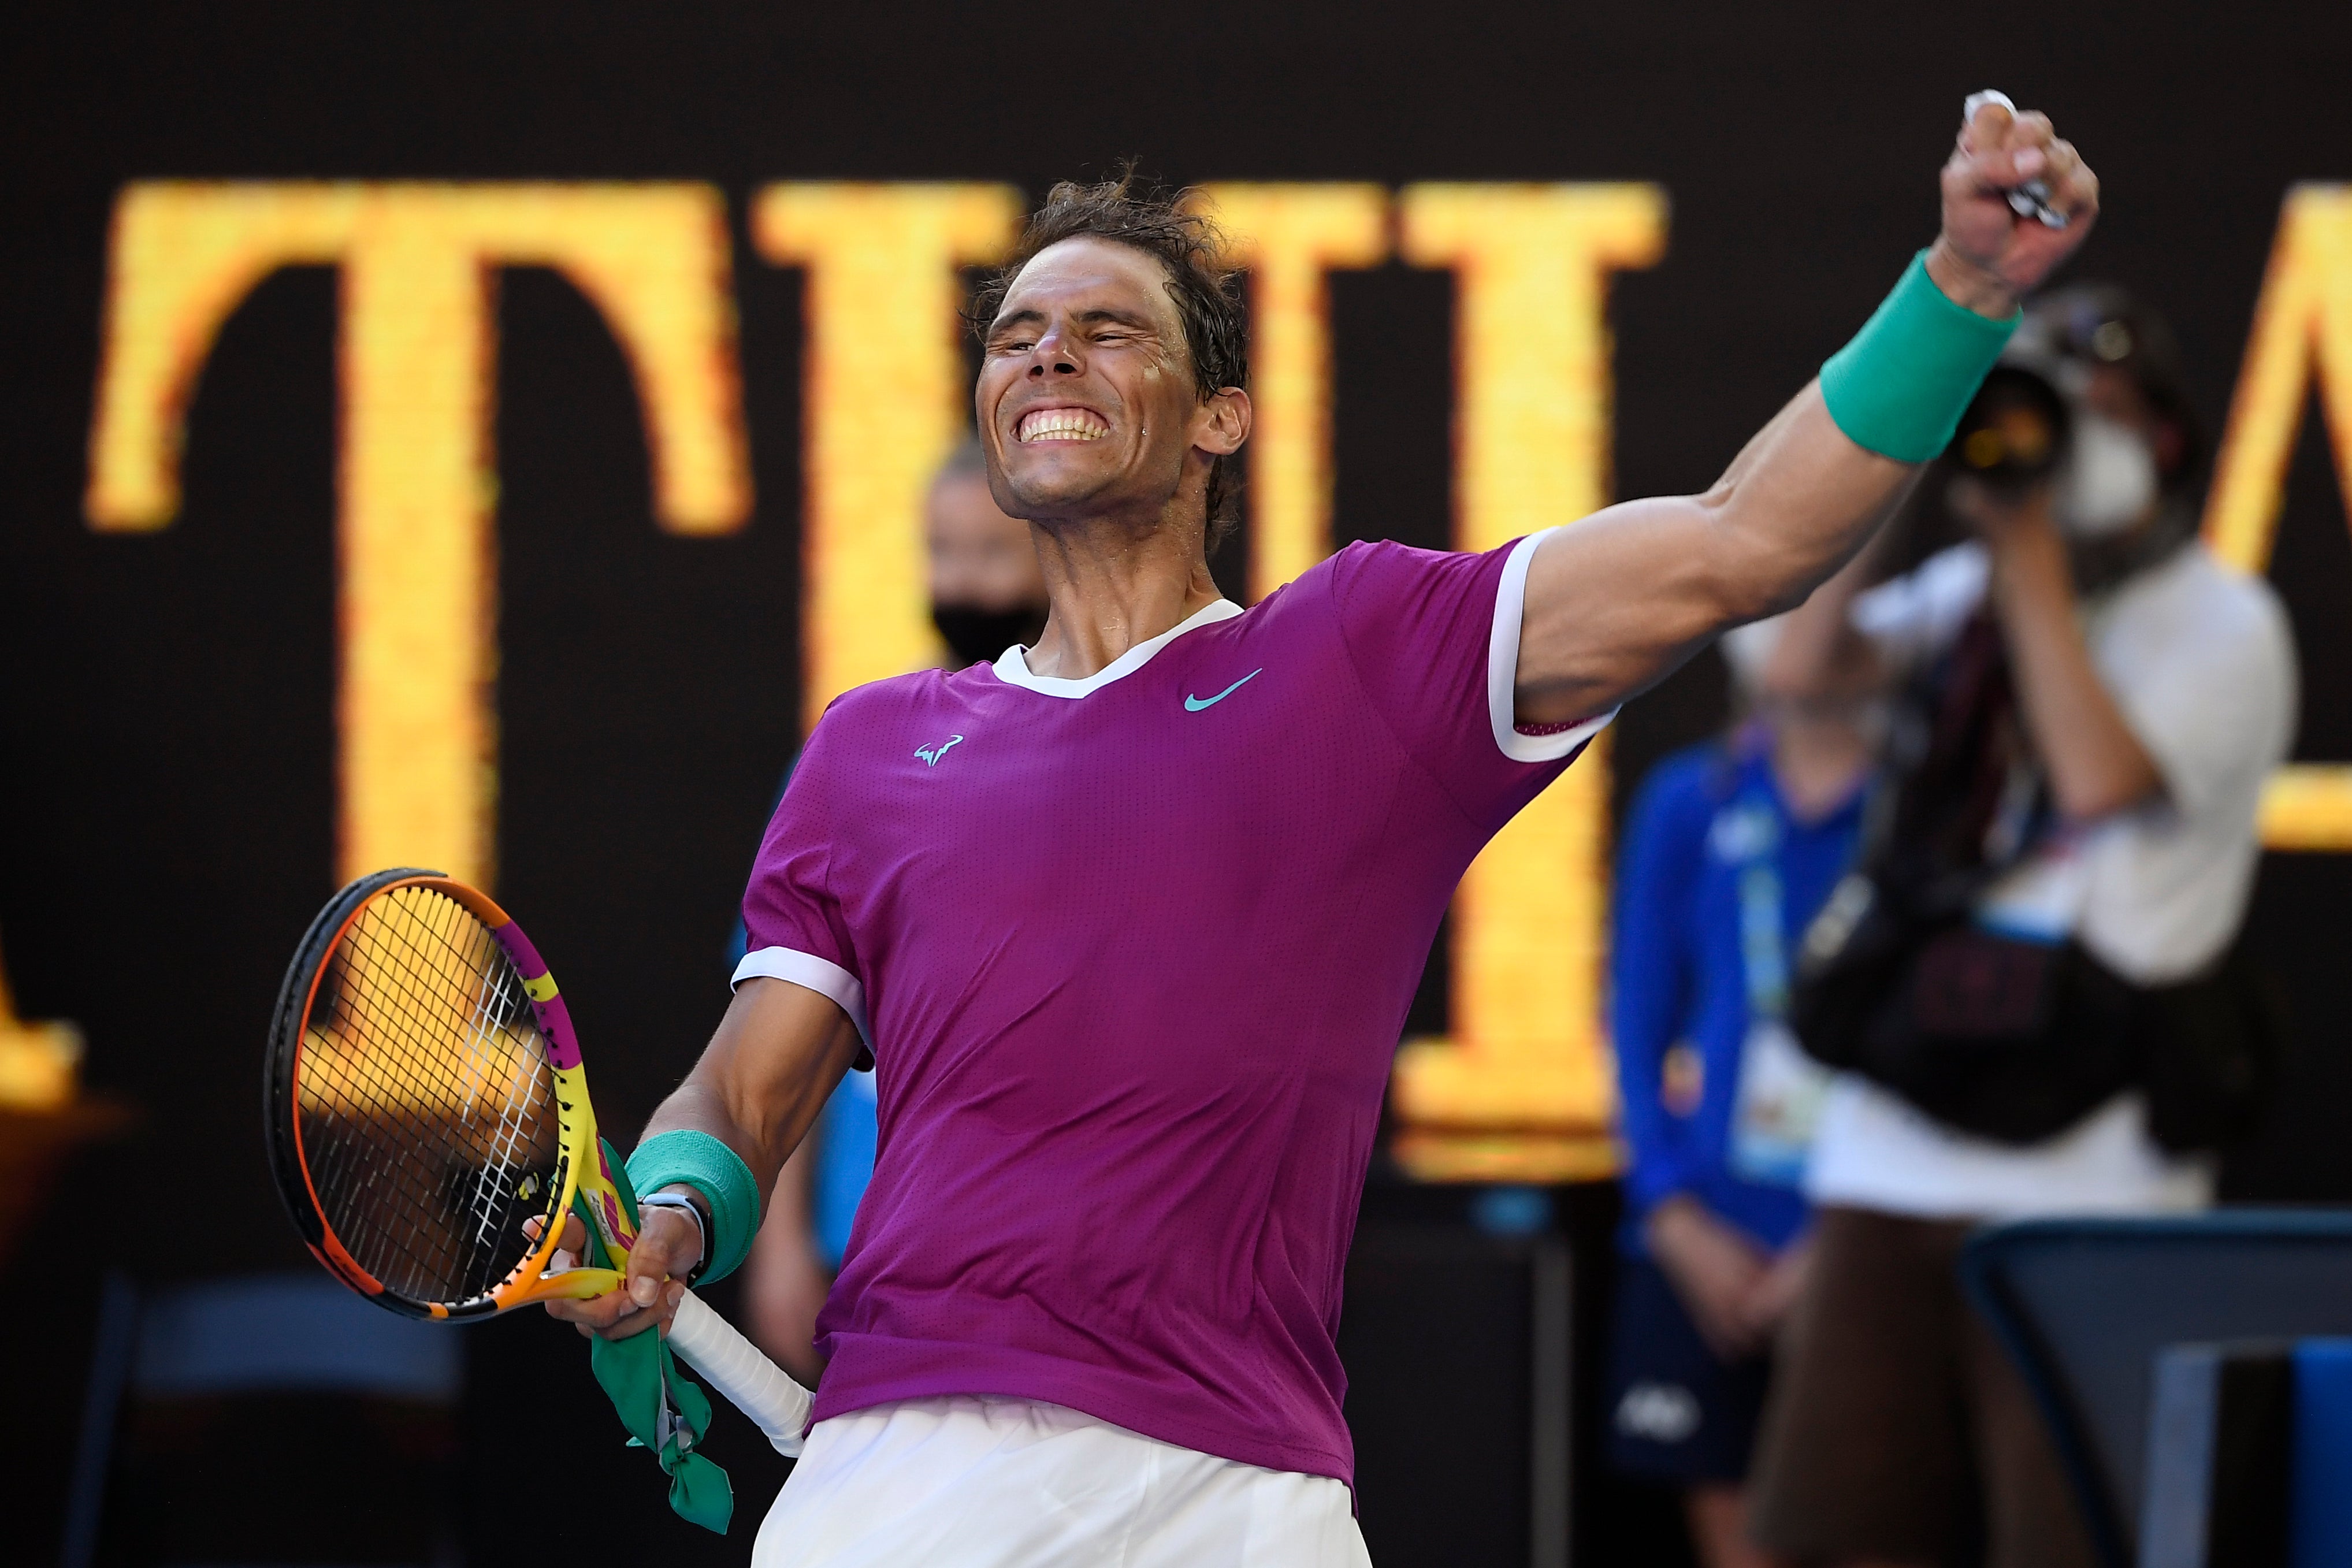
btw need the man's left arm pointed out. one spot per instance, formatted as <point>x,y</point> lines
<point>1616,602</point>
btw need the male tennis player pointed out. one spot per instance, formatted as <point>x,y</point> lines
<point>1130,919</point>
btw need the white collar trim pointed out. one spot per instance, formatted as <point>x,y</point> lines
<point>1012,666</point>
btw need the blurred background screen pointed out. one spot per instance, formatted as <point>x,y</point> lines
<point>486,437</point>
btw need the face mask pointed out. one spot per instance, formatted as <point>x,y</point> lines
<point>2108,484</point>
<point>976,636</point>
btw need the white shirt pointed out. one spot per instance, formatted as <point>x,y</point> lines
<point>2201,663</point>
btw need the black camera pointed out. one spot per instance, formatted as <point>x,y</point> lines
<point>2014,435</point>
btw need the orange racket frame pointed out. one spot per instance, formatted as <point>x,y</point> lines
<point>581,1168</point>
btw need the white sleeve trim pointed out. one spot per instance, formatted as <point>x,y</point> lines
<point>810,973</point>
<point>1503,670</point>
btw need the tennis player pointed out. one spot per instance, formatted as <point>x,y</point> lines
<point>1129,920</point>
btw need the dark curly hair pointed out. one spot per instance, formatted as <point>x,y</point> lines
<point>1165,224</point>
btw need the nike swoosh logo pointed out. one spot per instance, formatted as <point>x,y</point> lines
<point>931,755</point>
<point>1194,704</point>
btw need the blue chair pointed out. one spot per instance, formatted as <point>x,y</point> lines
<point>2221,1453</point>
<point>2320,1523</point>
<point>2084,1307</point>
<point>2248,1448</point>
<point>254,1336</point>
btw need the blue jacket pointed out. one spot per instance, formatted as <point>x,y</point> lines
<point>1677,976</point>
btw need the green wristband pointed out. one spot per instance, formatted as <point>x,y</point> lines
<point>712,1169</point>
<point>1900,387</point>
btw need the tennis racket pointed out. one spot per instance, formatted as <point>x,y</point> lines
<point>425,1099</point>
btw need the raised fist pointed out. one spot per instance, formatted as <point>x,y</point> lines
<point>1989,254</point>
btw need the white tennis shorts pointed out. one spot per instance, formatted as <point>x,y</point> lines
<point>978,1482</point>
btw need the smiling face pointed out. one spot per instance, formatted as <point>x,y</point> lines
<point>1088,402</point>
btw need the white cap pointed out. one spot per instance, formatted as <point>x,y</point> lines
<point>1747,649</point>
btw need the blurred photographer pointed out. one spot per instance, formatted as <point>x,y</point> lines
<point>2029,983</point>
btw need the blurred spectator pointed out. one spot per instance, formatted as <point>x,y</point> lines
<point>1730,850</point>
<point>2069,853</point>
<point>986,595</point>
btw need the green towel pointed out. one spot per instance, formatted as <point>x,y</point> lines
<point>663,1411</point>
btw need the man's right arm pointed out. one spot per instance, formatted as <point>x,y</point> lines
<point>777,1055</point>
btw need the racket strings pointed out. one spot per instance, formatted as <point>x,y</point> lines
<point>462,1186</point>
<point>388,1072</point>
<point>427,1102</point>
<point>373,1081</point>
<point>516,1116</point>
<point>375,1109</point>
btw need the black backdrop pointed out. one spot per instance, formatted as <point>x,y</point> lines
<point>166,807</point>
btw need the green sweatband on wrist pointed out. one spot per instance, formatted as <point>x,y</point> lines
<point>1900,387</point>
<point>712,1169</point>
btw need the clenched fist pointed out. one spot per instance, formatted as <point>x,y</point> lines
<point>1988,255</point>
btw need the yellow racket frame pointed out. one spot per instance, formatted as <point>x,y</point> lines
<point>585,1182</point>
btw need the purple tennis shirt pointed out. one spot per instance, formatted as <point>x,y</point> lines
<point>1132,954</point>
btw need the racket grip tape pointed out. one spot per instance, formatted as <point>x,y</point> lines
<point>737,1368</point>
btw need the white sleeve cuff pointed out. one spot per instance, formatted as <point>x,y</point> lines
<point>810,973</point>
<point>1502,670</point>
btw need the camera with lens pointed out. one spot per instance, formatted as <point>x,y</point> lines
<point>2015,434</point>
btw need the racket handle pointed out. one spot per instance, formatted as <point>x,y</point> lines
<point>738,1369</point>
